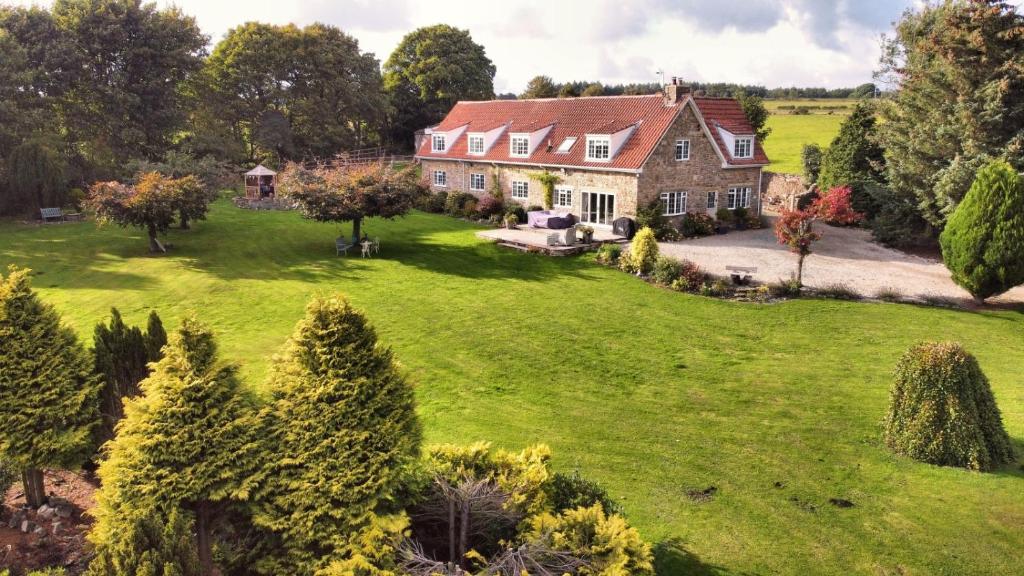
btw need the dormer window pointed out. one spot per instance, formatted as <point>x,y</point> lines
<point>438,143</point>
<point>743,147</point>
<point>476,144</point>
<point>519,145</point>
<point>566,145</point>
<point>599,148</point>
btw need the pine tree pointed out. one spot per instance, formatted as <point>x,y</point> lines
<point>47,389</point>
<point>983,243</point>
<point>185,446</point>
<point>156,337</point>
<point>343,434</point>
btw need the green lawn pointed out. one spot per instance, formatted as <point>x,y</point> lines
<point>791,132</point>
<point>651,392</point>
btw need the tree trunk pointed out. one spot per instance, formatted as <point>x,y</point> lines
<point>800,270</point>
<point>154,244</point>
<point>463,533</point>
<point>451,529</point>
<point>183,220</point>
<point>203,539</point>
<point>357,224</point>
<point>35,490</point>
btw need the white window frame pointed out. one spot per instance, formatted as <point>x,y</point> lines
<point>739,197</point>
<point>743,147</point>
<point>438,138</point>
<point>440,179</point>
<point>473,177</point>
<point>712,200</point>
<point>599,144</point>
<point>673,203</point>
<point>682,149</point>
<point>519,139</point>
<point>520,189</point>
<point>477,139</point>
<point>563,197</point>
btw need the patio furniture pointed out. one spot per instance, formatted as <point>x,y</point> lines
<point>569,236</point>
<point>51,214</point>
<point>624,227</point>
<point>376,245</point>
<point>553,239</point>
<point>741,275</point>
<point>367,247</point>
<point>551,219</point>
<point>342,245</point>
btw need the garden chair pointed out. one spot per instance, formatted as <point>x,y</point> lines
<point>569,238</point>
<point>367,247</point>
<point>342,245</point>
<point>376,245</point>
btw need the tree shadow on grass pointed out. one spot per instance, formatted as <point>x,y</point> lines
<point>672,559</point>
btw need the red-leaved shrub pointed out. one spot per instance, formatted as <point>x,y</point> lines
<point>489,206</point>
<point>836,207</point>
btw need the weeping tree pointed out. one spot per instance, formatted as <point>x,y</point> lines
<point>351,193</point>
<point>48,393</point>
<point>122,356</point>
<point>185,446</point>
<point>342,434</point>
<point>35,177</point>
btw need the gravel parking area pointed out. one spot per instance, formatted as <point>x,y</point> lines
<point>843,256</point>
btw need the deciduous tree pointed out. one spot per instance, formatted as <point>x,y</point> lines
<point>855,159</point>
<point>983,242</point>
<point>795,229</point>
<point>756,113</point>
<point>540,87</point>
<point>47,388</point>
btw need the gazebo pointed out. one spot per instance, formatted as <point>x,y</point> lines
<point>260,182</point>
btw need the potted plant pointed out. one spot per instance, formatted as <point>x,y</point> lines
<point>587,232</point>
<point>722,218</point>
<point>511,220</point>
<point>740,217</point>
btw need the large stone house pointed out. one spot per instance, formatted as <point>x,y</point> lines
<point>612,154</point>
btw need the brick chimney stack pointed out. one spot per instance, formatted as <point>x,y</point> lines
<point>675,91</point>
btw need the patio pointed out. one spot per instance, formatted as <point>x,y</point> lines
<point>530,239</point>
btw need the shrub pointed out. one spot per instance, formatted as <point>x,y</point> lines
<point>982,244</point>
<point>942,410</point>
<point>489,206</point>
<point>889,294</point>
<point>435,203</point>
<point>644,251</point>
<point>740,214</point>
<point>568,491</point>
<point>694,225</point>
<point>754,221</point>
<point>651,216</point>
<point>785,288</point>
<point>723,215</point>
<point>608,253</point>
<point>8,476</point>
<point>836,207</point>
<point>608,543</point>
<point>810,158</point>
<point>518,211</point>
<point>838,291</point>
<point>469,208</point>
<point>532,208</point>
<point>455,203</point>
<point>666,270</point>
<point>717,287</point>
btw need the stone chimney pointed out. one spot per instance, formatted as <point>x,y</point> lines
<point>675,91</point>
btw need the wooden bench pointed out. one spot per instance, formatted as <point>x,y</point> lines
<point>741,275</point>
<point>48,214</point>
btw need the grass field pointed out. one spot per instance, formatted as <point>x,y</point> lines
<point>790,131</point>
<point>652,392</point>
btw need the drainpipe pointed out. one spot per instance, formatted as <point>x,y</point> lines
<point>760,204</point>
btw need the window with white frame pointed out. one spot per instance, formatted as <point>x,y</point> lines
<point>682,150</point>
<point>438,143</point>
<point>739,197</point>
<point>440,178</point>
<point>712,200</point>
<point>563,197</point>
<point>520,146</point>
<point>566,145</point>
<point>476,144</point>
<point>743,148</point>
<point>673,203</point>
<point>476,182</point>
<point>599,148</point>
<point>520,189</point>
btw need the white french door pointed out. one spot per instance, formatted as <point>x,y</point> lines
<point>598,208</point>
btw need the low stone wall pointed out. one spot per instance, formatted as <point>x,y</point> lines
<point>781,191</point>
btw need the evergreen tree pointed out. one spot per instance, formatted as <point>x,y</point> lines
<point>756,113</point>
<point>343,434</point>
<point>854,158</point>
<point>184,446</point>
<point>47,388</point>
<point>983,242</point>
<point>810,158</point>
<point>122,356</point>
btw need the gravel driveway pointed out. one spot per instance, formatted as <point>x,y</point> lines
<point>842,256</point>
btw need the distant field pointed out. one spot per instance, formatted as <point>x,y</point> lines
<point>791,131</point>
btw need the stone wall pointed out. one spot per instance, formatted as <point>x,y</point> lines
<point>781,191</point>
<point>701,174</point>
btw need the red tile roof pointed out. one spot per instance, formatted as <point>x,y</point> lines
<point>577,117</point>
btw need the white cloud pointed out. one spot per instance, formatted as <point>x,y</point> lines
<point>771,42</point>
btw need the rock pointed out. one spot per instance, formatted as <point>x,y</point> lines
<point>45,512</point>
<point>57,527</point>
<point>27,526</point>
<point>39,530</point>
<point>65,511</point>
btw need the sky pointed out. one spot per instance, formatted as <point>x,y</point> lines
<point>831,43</point>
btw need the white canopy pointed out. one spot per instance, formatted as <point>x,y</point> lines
<point>260,170</point>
